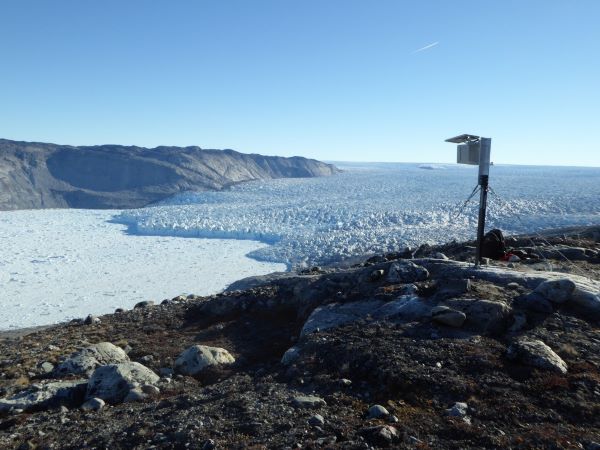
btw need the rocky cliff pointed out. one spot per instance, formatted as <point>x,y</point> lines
<point>39,175</point>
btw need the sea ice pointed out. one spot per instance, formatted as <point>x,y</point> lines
<point>60,264</point>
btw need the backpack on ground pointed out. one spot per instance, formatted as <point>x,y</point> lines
<point>493,246</point>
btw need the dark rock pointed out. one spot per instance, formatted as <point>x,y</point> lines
<point>93,404</point>
<point>377,275</point>
<point>209,445</point>
<point>535,302</point>
<point>448,316</point>
<point>336,314</point>
<point>144,304</point>
<point>382,435</point>
<point>406,272</point>
<point>452,287</point>
<point>91,320</point>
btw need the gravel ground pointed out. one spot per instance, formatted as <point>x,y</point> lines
<point>416,369</point>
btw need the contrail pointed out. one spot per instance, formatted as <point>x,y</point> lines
<point>427,47</point>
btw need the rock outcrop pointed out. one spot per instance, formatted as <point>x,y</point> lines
<point>198,357</point>
<point>113,382</point>
<point>39,175</point>
<point>390,352</point>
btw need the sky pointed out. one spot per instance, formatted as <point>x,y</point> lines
<point>343,80</point>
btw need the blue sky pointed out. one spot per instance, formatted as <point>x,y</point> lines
<point>328,79</point>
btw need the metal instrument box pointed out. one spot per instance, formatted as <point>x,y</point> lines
<point>468,153</point>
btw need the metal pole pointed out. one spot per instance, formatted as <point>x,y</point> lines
<point>483,182</point>
<point>485,145</point>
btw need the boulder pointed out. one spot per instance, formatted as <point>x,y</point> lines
<point>382,435</point>
<point>135,395</point>
<point>151,390</point>
<point>113,382</point>
<point>452,287</point>
<point>587,297</point>
<point>459,409</point>
<point>196,358</point>
<point>377,275</point>
<point>93,404</point>
<point>83,362</point>
<point>448,316</point>
<point>556,291</point>
<point>45,396</point>
<point>290,356</point>
<point>560,252</point>
<point>404,308</point>
<point>144,304</point>
<point>537,303</point>
<point>308,401</point>
<point>535,353</point>
<point>47,367</point>
<point>377,412</point>
<point>404,271</point>
<point>316,421</point>
<point>91,320</point>
<point>487,316</point>
<point>335,314</point>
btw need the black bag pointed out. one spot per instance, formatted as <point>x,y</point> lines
<point>493,245</point>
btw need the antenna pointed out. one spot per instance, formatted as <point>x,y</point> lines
<point>475,150</point>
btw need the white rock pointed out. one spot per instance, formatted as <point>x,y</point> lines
<point>317,420</point>
<point>196,358</point>
<point>93,404</point>
<point>308,401</point>
<point>377,412</point>
<point>557,291</point>
<point>83,362</point>
<point>48,395</point>
<point>535,353</point>
<point>113,382</point>
<point>459,409</point>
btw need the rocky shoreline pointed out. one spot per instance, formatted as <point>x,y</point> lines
<point>414,349</point>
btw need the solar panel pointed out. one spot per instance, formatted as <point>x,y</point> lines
<point>462,138</point>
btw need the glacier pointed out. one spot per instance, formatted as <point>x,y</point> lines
<point>66,263</point>
<point>373,208</point>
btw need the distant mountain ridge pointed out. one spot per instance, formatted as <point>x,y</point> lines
<point>40,175</point>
